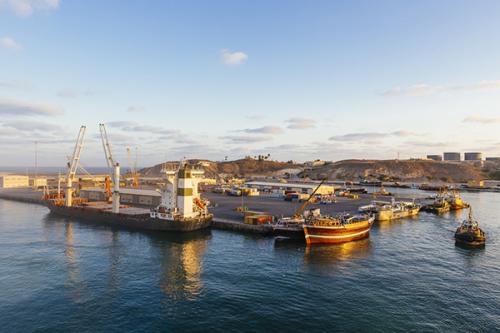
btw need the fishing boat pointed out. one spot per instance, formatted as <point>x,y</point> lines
<point>469,234</point>
<point>455,200</point>
<point>386,211</point>
<point>439,206</point>
<point>339,229</point>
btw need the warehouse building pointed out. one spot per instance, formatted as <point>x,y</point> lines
<point>306,188</point>
<point>13,181</point>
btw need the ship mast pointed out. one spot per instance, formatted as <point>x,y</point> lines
<point>300,210</point>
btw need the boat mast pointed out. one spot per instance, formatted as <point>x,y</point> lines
<point>300,210</point>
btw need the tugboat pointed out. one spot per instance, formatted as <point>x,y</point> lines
<point>469,234</point>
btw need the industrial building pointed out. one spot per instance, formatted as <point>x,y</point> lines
<point>307,188</point>
<point>452,156</point>
<point>38,182</point>
<point>473,156</point>
<point>131,196</point>
<point>435,157</point>
<point>13,181</point>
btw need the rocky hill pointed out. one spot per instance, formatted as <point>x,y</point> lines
<point>385,170</point>
<point>246,167</point>
<point>397,170</point>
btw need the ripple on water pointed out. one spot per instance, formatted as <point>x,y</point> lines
<point>57,274</point>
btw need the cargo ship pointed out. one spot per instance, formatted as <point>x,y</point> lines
<point>387,211</point>
<point>181,208</point>
<point>340,229</point>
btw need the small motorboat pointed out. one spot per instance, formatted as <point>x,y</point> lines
<point>469,234</point>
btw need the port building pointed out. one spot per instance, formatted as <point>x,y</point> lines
<point>306,188</point>
<point>13,181</point>
<point>452,156</point>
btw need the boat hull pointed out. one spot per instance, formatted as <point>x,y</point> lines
<point>387,215</point>
<point>336,234</point>
<point>138,221</point>
<point>469,239</point>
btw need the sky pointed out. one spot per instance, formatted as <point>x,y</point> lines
<point>299,80</point>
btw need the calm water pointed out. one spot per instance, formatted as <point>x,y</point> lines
<point>59,275</point>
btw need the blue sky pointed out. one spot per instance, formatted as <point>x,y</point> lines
<point>208,79</point>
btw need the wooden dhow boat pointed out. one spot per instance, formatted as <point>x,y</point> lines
<point>320,229</point>
<point>339,229</point>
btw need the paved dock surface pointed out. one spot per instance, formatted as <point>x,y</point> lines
<point>224,207</point>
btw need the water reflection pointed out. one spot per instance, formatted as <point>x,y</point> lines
<point>331,253</point>
<point>181,264</point>
<point>75,282</point>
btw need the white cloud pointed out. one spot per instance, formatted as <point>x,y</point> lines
<point>427,89</point>
<point>244,139</point>
<point>68,93</point>
<point>28,126</point>
<point>21,108</point>
<point>232,58</point>
<point>481,120</point>
<point>25,8</point>
<point>135,109</point>
<point>9,43</point>
<point>264,130</point>
<point>17,85</point>
<point>301,123</point>
<point>368,136</point>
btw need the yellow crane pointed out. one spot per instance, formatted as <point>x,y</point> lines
<point>133,167</point>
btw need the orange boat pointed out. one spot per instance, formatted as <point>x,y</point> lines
<point>331,230</point>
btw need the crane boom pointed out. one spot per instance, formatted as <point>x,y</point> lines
<point>300,210</point>
<point>114,169</point>
<point>73,165</point>
<point>106,146</point>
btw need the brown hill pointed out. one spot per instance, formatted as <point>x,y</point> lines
<point>398,170</point>
<point>246,167</point>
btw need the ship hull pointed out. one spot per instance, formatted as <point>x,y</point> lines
<point>336,234</point>
<point>138,221</point>
<point>387,215</point>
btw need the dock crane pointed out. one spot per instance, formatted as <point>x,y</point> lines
<point>133,167</point>
<point>73,165</point>
<point>114,169</point>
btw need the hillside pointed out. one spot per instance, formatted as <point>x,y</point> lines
<point>240,168</point>
<point>398,170</point>
<point>386,170</point>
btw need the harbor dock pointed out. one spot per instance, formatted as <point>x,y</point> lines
<point>224,208</point>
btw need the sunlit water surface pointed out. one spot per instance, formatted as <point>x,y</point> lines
<point>58,275</point>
